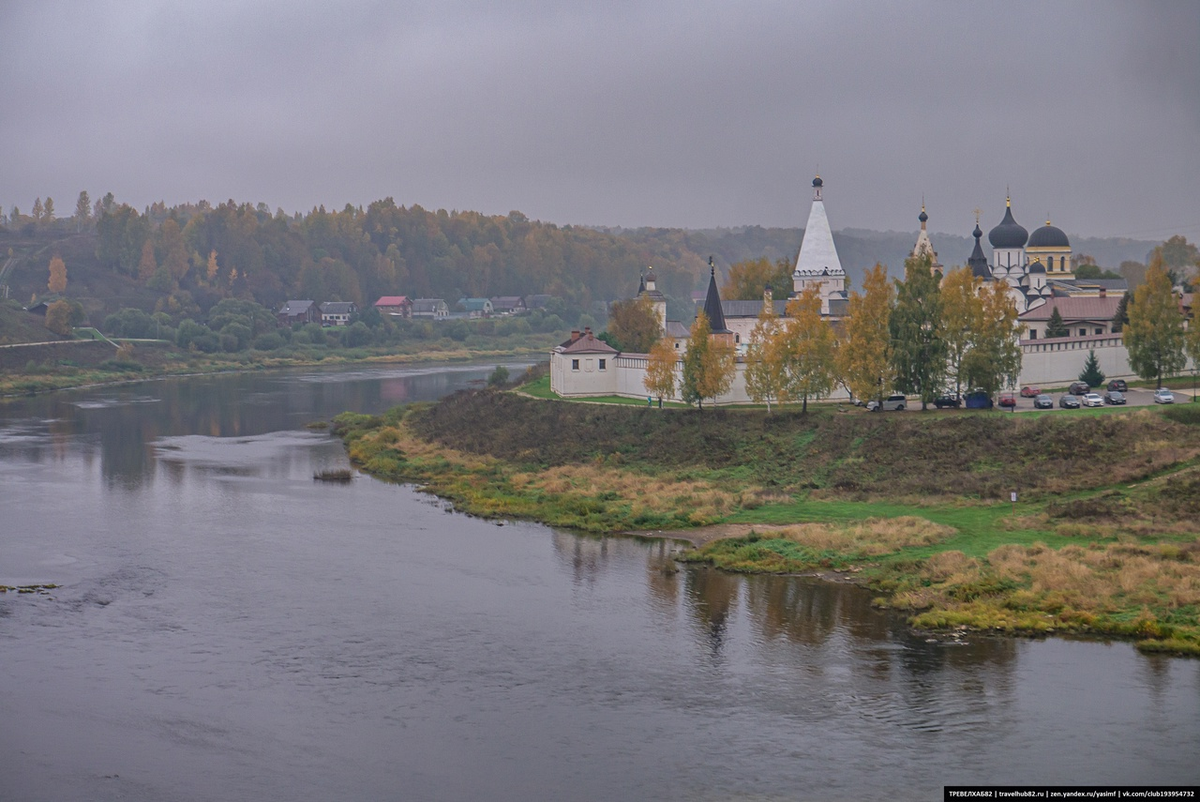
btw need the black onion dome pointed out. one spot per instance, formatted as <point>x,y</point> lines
<point>817,182</point>
<point>977,233</point>
<point>922,216</point>
<point>1009,234</point>
<point>1048,236</point>
<point>1037,267</point>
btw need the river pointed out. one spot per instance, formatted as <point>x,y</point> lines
<point>228,629</point>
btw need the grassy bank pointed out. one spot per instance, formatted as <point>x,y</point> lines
<point>1103,537</point>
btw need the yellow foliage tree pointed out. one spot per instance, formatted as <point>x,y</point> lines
<point>864,354</point>
<point>58,318</point>
<point>962,319</point>
<point>212,266</point>
<point>807,353</point>
<point>175,257</point>
<point>58,275</point>
<point>748,279</point>
<point>660,370</point>
<point>764,371</point>
<point>708,364</point>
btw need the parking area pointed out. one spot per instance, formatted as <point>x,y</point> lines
<point>1134,397</point>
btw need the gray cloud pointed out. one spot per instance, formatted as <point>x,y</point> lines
<point>630,113</point>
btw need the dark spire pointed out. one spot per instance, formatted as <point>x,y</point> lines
<point>978,262</point>
<point>641,283</point>
<point>712,302</point>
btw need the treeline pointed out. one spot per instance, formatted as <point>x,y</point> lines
<point>196,255</point>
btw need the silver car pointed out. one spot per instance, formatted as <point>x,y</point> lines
<point>1093,400</point>
<point>1163,396</point>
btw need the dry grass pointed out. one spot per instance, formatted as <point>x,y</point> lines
<point>871,537</point>
<point>645,494</point>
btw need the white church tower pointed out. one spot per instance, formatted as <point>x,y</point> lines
<point>818,264</point>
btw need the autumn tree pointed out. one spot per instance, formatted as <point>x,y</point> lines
<point>864,355</point>
<point>994,360</point>
<point>918,351</point>
<point>634,325</point>
<point>83,211</point>
<point>1154,334</point>
<point>764,371</point>
<point>708,363</point>
<point>211,269</point>
<point>58,275</point>
<point>660,369</point>
<point>748,279</point>
<point>58,318</point>
<point>147,265</point>
<point>807,349</point>
<point>962,317</point>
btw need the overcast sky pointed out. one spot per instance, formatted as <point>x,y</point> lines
<point>662,113</point>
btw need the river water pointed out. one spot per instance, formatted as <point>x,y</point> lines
<point>229,629</point>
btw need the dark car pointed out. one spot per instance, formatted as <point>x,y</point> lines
<point>1008,400</point>
<point>1069,402</point>
<point>1043,401</point>
<point>1079,388</point>
<point>1119,385</point>
<point>948,400</point>
<point>979,400</point>
<point>1114,397</point>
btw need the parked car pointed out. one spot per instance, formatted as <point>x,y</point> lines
<point>1031,392</point>
<point>1069,401</point>
<point>1043,401</point>
<point>1114,397</point>
<point>948,400</point>
<point>978,400</point>
<point>1093,400</point>
<point>1119,385</point>
<point>1164,396</point>
<point>893,403</point>
<point>1008,400</point>
<point>1079,388</point>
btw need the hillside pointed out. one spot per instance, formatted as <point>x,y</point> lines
<point>1105,536</point>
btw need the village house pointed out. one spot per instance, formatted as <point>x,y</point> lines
<point>508,305</point>
<point>298,312</point>
<point>476,307</point>
<point>394,305</point>
<point>337,313</point>
<point>1083,316</point>
<point>430,309</point>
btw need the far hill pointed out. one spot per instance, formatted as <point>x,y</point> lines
<point>183,260</point>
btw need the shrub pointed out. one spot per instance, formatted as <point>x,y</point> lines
<point>271,341</point>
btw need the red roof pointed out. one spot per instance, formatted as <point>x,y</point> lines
<point>588,343</point>
<point>392,300</point>
<point>1086,308</point>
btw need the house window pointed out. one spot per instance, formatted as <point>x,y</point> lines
<point>1099,329</point>
<point>1033,334</point>
<point>603,364</point>
<point>1083,332</point>
<point>574,364</point>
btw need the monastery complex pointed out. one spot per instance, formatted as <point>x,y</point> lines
<point>1039,269</point>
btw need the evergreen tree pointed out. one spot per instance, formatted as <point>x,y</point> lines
<point>1121,318</point>
<point>1091,374</point>
<point>1056,327</point>
<point>918,351</point>
<point>83,210</point>
<point>48,210</point>
<point>38,210</point>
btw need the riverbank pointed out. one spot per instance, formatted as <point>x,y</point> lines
<point>1104,537</point>
<point>73,363</point>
